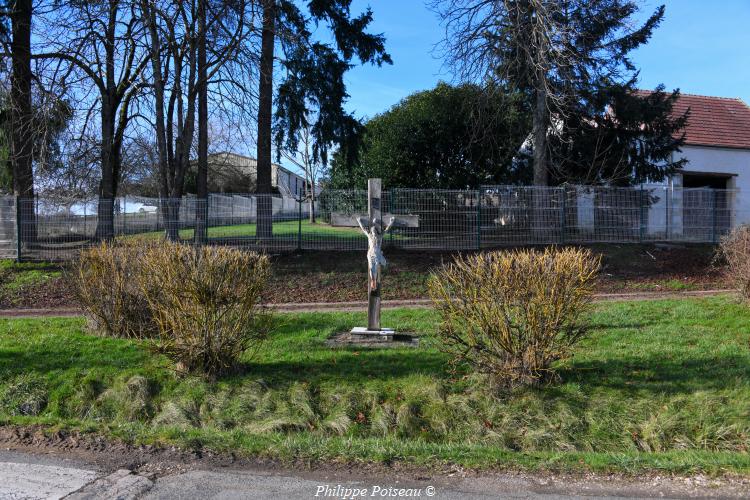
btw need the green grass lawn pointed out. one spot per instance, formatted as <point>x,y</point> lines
<point>282,229</point>
<point>17,275</point>
<point>659,385</point>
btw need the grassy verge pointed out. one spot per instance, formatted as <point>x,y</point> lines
<point>283,229</point>
<point>659,386</point>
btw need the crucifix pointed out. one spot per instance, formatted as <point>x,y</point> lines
<point>372,227</point>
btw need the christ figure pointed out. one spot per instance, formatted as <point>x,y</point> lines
<point>375,258</point>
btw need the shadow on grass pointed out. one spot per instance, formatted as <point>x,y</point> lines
<point>658,374</point>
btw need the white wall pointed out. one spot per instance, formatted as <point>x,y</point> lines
<point>725,161</point>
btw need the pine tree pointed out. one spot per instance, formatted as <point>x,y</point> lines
<point>312,80</point>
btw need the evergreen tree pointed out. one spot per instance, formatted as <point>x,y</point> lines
<point>447,137</point>
<point>619,136</point>
<point>312,80</point>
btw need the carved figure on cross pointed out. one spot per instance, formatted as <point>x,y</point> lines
<point>375,258</point>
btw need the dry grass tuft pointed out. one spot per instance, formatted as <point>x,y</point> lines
<point>25,395</point>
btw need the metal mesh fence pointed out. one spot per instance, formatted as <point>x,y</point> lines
<point>45,228</point>
<point>8,227</point>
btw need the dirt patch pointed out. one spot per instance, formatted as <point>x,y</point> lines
<point>319,277</point>
<point>311,277</point>
<point>33,286</point>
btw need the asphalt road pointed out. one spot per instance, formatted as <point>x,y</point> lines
<point>32,476</point>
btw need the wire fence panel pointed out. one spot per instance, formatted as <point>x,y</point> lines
<point>446,219</point>
<point>46,228</point>
<point>7,227</point>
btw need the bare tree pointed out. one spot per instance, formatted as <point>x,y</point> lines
<point>103,41</point>
<point>201,209</point>
<point>304,159</point>
<point>518,44</point>
<point>181,73</point>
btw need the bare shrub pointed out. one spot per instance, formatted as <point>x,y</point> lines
<point>512,314</point>
<point>205,303</point>
<point>735,248</point>
<point>106,282</point>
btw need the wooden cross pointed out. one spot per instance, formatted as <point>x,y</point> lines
<point>375,259</point>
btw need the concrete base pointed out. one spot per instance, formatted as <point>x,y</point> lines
<point>382,334</point>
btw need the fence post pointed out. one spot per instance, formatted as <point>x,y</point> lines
<point>479,219</point>
<point>392,194</point>
<point>562,215</point>
<point>668,215</point>
<point>299,226</point>
<point>125,214</point>
<point>18,229</point>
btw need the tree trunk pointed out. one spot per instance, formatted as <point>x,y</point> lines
<point>201,206</point>
<point>540,126</point>
<point>265,109</point>
<point>312,204</point>
<point>159,102</point>
<point>171,210</point>
<point>21,119</point>
<point>541,173</point>
<point>105,228</point>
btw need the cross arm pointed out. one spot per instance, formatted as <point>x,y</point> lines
<point>348,220</point>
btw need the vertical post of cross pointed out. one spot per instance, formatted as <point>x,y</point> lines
<point>375,218</point>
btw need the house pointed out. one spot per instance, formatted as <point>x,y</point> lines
<point>712,190</point>
<point>234,173</point>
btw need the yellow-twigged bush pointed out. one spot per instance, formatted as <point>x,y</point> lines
<point>512,314</point>
<point>106,280</point>
<point>205,303</point>
<point>735,248</point>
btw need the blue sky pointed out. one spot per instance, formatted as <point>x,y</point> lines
<point>702,47</point>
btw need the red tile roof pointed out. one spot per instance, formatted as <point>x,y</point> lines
<point>715,121</point>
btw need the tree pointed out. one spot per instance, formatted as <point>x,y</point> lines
<point>557,52</point>
<point>180,74</point>
<point>313,80</point>
<point>101,42</point>
<point>448,138</point>
<point>621,137</point>
<point>201,214</point>
<point>264,225</point>
<point>21,116</point>
<point>50,118</point>
<point>311,168</point>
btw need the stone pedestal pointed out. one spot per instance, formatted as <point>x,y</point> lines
<point>385,334</point>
